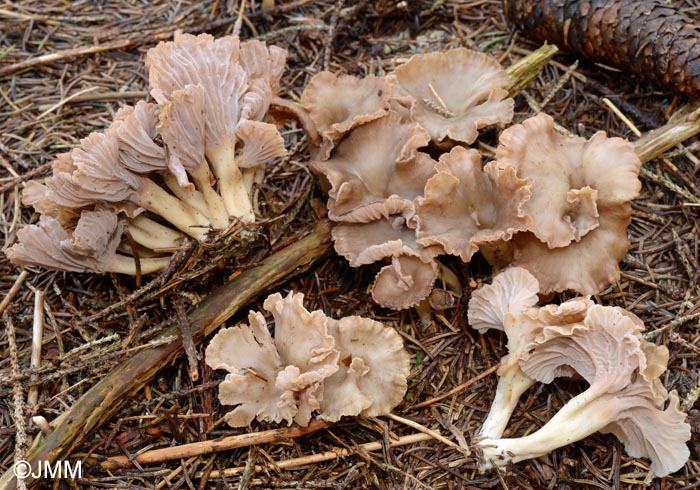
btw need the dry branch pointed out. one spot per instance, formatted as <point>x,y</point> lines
<point>104,399</point>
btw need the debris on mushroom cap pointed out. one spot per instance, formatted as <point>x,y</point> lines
<point>377,170</point>
<point>467,205</point>
<point>366,243</point>
<point>455,93</point>
<point>91,246</point>
<point>339,103</point>
<point>373,370</point>
<point>586,266</point>
<point>625,396</point>
<point>405,282</point>
<point>573,183</point>
<point>135,129</point>
<point>511,291</point>
<point>288,377</point>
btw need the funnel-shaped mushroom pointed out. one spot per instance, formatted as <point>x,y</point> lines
<point>467,205</point>
<point>405,282</point>
<point>624,396</point>
<point>135,129</point>
<point>92,246</point>
<point>339,103</point>
<point>377,170</point>
<point>454,93</point>
<point>373,370</point>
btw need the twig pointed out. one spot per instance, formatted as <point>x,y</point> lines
<point>459,388</point>
<point>13,291</point>
<point>331,34</point>
<point>106,397</point>
<point>425,430</point>
<point>208,447</point>
<point>37,337</point>
<point>17,399</point>
<point>324,456</point>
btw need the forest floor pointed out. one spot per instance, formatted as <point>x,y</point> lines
<point>54,91</point>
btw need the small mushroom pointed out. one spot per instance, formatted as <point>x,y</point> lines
<point>454,93</point>
<point>373,370</point>
<point>625,396</point>
<point>377,170</point>
<point>405,282</point>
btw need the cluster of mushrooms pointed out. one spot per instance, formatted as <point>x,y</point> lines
<point>127,197</point>
<point>404,186</point>
<point>347,367</point>
<point>548,202</point>
<point>603,345</point>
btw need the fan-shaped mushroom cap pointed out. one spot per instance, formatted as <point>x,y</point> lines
<point>455,93</point>
<point>36,195</point>
<point>340,103</point>
<point>374,367</point>
<point>263,62</point>
<point>511,291</point>
<point>91,247</point>
<point>573,182</point>
<point>586,266</point>
<point>377,170</point>
<point>366,243</point>
<point>262,143</point>
<point>467,205</point>
<point>135,129</point>
<point>405,282</point>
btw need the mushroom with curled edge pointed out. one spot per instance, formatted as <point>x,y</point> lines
<point>235,90</point>
<point>508,304</point>
<point>580,203</point>
<point>467,206</point>
<point>454,93</point>
<point>373,369</point>
<point>624,397</point>
<point>337,104</point>
<point>377,170</point>
<point>91,246</point>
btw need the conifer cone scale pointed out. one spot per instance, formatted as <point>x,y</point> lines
<point>647,38</point>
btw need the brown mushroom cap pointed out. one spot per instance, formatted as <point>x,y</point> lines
<point>373,370</point>
<point>262,143</point>
<point>572,179</point>
<point>377,170</point>
<point>263,62</point>
<point>467,205</point>
<point>339,103</point>
<point>455,93</point>
<point>404,283</point>
<point>135,129</point>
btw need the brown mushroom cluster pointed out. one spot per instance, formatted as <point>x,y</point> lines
<point>548,202</point>
<point>178,168</point>
<point>347,367</point>
<point>603,345</point>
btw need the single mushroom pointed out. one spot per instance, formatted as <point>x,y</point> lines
<point>467,206</point>
<point>454,93</point>
<point>373,369</point>
<point>625,396</point>
<point>337,104</point>
<point>579,205</point>
<point>262,143</point>
<point>377,170</point>
<point>91,246</point>
<point>405,282</point>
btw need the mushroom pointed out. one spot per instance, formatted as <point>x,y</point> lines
<point>508,304</point>
<point>94,175</point>
<point>578,201</point>
<point>373,369</point>
<point>377,170</point>
<point>625,396</point>
<point>454,93</point>
<point>275,379</point>
<point>91,246</point>
<point>405,282</point>
<point>467,206</point>
<point>235,89</point>
<point>338,104</point>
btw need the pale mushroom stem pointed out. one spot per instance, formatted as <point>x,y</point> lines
<point>153,198</point>
<point>123,264</point>
<point>191,197</point>
<point>214,202</point>
<point>231,185</point>
<point>511,385</point>
<point>582,416</point>
<point>153,235</point>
